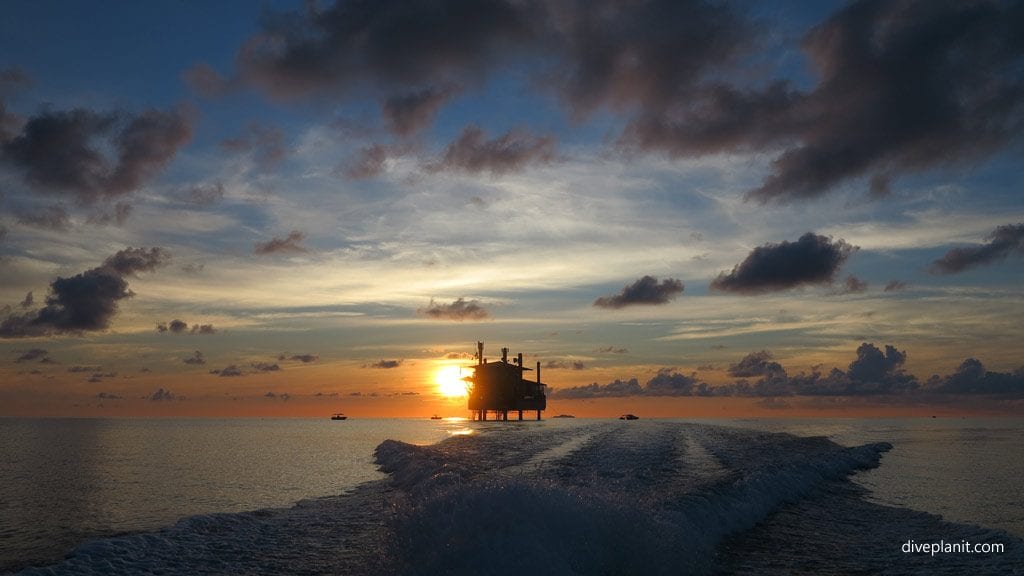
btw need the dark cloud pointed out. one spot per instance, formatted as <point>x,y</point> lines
<point>119,215</point>
<point>756,364</point>
<point>874,372</point>
<point>77,369</point>
<point>228,371</point>
<point>853,285</point>
<point>352,45</point>
<point>971,377</point>
<point>131,260</point>
<point>284,397</point>
<point>206,81</point>
<point>459,310</point>
<point>565,365</point>
<point>901,87</point>
<point>107,396</point>
<point>410,112</point>
<point>266,367</point>
<point>196,359</point>
<point>292,243</point>
<point>616,389</point>
<point>514,150</point>
<point>904,86</point>
<point>28,301</point>
<point>367,163</point>
<point>386,364</point>
<point>32,355</point>
<point>161,395</point>
<point>85,302</point>
<point>898,87</point>
<point>646,290</point>
<point>667,382</point>
<point>304,358</point>
<point>812,259</point>
<point>48,218</point>
<point>88,156</point>
<point>12,80</point>
<point>176,326</point>
<point>265,144</point>
<point>895,286</point>
<point>203,329</point>
<point>1004,241</point>
<point>204,194</point>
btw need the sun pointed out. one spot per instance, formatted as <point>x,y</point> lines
<point>449,381</point>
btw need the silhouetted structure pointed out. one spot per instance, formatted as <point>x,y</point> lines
<point>499,387</point>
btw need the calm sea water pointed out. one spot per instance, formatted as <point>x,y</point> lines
<point>64,482</point>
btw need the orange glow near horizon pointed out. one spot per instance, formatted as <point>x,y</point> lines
<point>449,381</point>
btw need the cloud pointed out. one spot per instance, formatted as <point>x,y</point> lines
<point>368,163</point>
<point>89,156</point>
<point>132,260</point>
<point>175,326</point>
<point>304,358</point>
<point>196,359</point>
<point>853,285</point>
<point>86,302</point>
<point>292,243</point>
<point>76,369</point>
<point>1004,241</point>
<point>895,286</point>
<point>615,389</point>
<point>612,350</point>
<point>204,194</point>
<point>122,210</point>
<point>228,371</point>
<point>512,151</point>
<point>107,396</point>
<point>266,144</point>
<point>32,354</point>
<point>203,329</point>
<point>812,259</point>
<point>160,395</point>
<point>386,364</point>
<point>971,377</point>
<point>352,45</point>
<point>646,290</point>
<point>206,81</point>
<point>410,112</point>
<point>266,367</point>
<point>563,365</point>
<point>459,310</point>
<point>48,218</point>
<point>271,395</point>
<point>756,364</point>
<point>903,87</point>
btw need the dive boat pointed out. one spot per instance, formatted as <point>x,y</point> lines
<point>629,417</point>
<point>338,416</point>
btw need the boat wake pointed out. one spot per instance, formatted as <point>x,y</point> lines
<point>591,498</point>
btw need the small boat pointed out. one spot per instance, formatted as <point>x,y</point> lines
<point>436,417</point>
<point>564,416</point>
<point>338,416</point>
<point>629,417</point>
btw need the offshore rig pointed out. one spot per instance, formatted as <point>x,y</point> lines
<point>499,387</point>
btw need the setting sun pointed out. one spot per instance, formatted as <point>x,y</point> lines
<point>449,381</point>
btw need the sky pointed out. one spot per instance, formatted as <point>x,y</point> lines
<point>682,208</point>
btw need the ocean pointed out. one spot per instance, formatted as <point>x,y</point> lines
<point>560,496</point>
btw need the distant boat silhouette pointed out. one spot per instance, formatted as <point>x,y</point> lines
<point>629,417</point>
<point>338,416</point>
<point>564,416</point>
<point>436,417</point>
